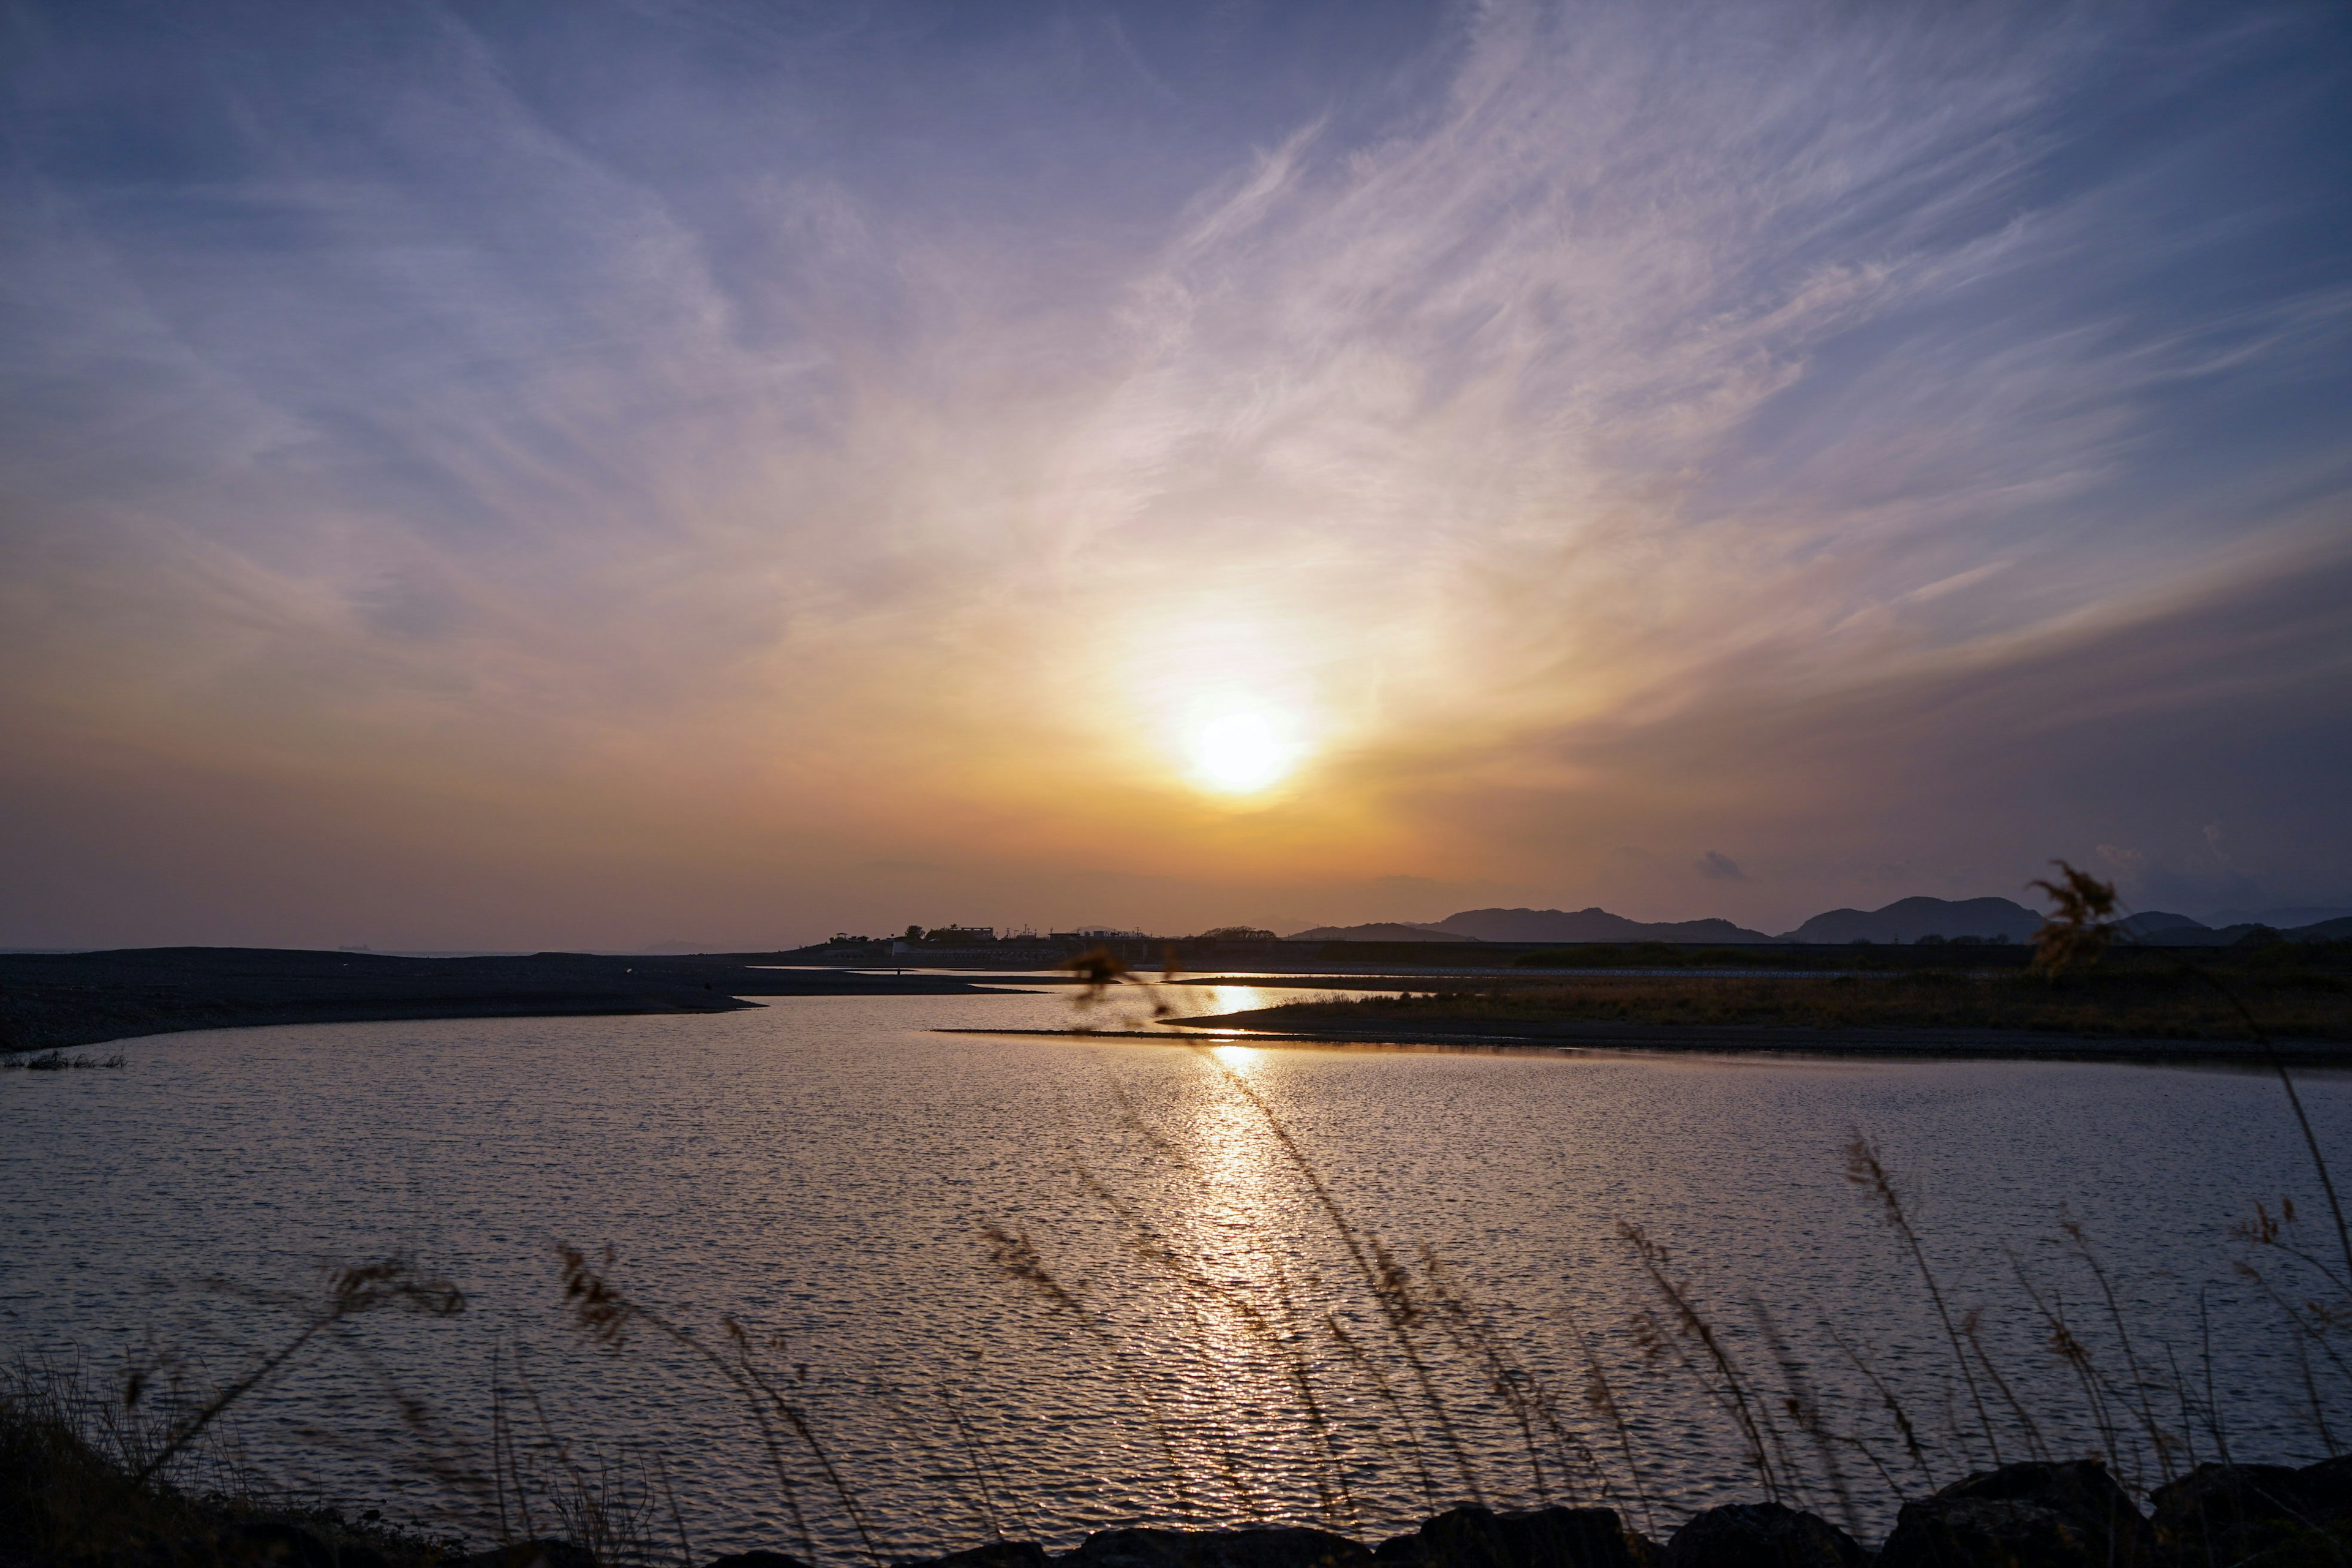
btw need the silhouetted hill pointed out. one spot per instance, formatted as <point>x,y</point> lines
<point>1903,920</point>
<point>1908,920</point>
<point>1376,931</point>
<point>2178,930</point>
<point>2157,926</point>
<point>1587,925</point>
<point>2181,935</point>
<point>2290,918</point>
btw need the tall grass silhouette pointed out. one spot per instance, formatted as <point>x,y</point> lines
<point>1394,1368</point>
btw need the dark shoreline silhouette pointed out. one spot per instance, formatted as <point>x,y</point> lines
<point>2034,1514</point>
<point>52,1001</point>
<point>1703,1039</point>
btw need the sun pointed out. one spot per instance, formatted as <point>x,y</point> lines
<point>1242,751</point>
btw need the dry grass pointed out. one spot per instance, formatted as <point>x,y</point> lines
<point>90,1477</point>
<point>1442,1386</point>
<point>1404,1372</point>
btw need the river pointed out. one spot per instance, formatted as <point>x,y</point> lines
<point>1039,1285</point>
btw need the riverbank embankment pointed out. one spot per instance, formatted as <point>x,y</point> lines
<point>53,1001</point>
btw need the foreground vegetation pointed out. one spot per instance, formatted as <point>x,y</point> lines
<point>79,1484</point>
<point>1987,1474</point>
<point>67,1501</point>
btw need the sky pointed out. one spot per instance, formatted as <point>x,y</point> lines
<point>516,475</point>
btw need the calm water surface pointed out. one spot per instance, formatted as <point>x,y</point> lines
<point>1195,1342</point>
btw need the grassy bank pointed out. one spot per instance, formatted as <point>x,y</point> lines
<point>2311,1000</point>
<point>1794,959</point>
<point>56,1001</point>
<point>80,1484</point>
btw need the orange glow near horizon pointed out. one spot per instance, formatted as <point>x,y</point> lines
<point>818,499</point>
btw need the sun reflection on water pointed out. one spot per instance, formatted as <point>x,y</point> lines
<point>1234,1221</point>
<point>1199,1001</point>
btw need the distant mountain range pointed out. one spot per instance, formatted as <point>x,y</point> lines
<point>1908,920</point>
<point>1376,931</point>
<point>1586,925</point>
<point>1903,920</point>
<point>1536,925</point>
<point>2281,919</point>
<point>2160,930</point>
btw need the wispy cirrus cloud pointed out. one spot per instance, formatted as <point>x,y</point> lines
<point>876,432</point>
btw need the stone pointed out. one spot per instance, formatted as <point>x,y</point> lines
<point>276,1543</point>
<point>2069,1515</point>
<point>1761,1535</point>
<point>1265,1547</point>
<point>2326,1486</point>
<point>545,1553</point>
<point>1533,1538</point>
<point>993,1555</point>
<point>758,1557</point>
<point>2273,1515</point>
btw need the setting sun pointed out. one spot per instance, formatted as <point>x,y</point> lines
<point>1148,756</point>
<point>1242,751</point>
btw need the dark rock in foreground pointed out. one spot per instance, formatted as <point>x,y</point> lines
<point>270,1541</point>
<point>1272,1547</point>
<point>2270,1514</point>
<point>760,1557</point>
<point>995,1554</point>
<point>1537,1538</point>
<point>2021,1516</point>
<point>544,1554</point>
<point>1761,1535</point>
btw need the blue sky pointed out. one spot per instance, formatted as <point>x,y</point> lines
<point>517,475</point>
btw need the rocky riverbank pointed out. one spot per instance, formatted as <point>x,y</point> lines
<point>2020,1515</point>
<point>2070,1515</point>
